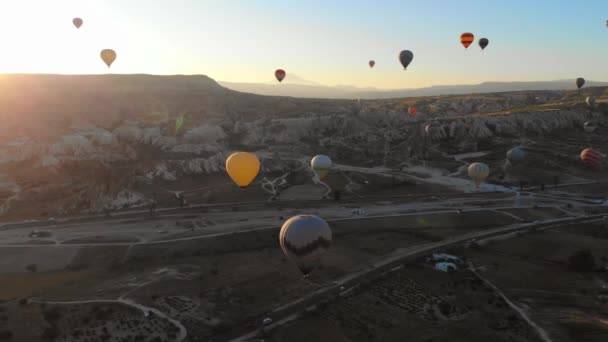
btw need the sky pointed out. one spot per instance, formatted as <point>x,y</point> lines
<point>324,41</point>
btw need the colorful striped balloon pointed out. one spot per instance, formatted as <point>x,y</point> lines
<point>591,158</point>
<point>466,39</point>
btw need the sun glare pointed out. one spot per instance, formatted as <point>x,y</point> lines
<point>44,40</point>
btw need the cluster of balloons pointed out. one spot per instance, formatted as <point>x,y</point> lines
<point>108,56</point>
<point>303,238</point>
<point>406,56</point>
<point>467,38</point>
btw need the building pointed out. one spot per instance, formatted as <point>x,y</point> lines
<point>446,266</point>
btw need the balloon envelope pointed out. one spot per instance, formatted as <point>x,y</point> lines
<point>406,57</point>
<point>466,39</point>
<point>591,158</point>
<point>580,82</point>
<point>280,74</point>
<point>478,172</point>
<point>304,238</point>
<point>589,127</point>
<point>515,155</point>
<point>242,167</point>
<point>411,111</point>
<point>108,56</point>
<point>77,22</point>
<point>483,42</point>
<point>372,63</point>
<point>321,164</point>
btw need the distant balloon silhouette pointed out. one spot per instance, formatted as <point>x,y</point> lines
<point>406,57</point>
<point>483,42</point>
<point>580,82</point>
<point>77,22</point>
<point>466,39</point>
<point>280,74</point>
<point>108,56</point>
<point>372,63</point>
<point>411,111</point>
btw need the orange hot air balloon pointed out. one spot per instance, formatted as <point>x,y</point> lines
<point>243,167</point>
<point>411,111</point>
<point>280,74</point>
<point>591,158</point>
<point>466,39</point>
<point>108,56</point>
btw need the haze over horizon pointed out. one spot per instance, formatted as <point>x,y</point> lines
<point>322,42</point>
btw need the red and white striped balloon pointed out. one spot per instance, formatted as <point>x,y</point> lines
<point>591,158</point>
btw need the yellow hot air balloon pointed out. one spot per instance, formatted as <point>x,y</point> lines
<point>242,167</point>
<point>108,56</point>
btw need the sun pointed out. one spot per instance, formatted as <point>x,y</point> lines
<point>45,40</point>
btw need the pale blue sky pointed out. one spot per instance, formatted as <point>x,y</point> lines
<point>329,42</point>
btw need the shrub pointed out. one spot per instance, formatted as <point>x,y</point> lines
<point>582,261</point>
<point>6,335</point>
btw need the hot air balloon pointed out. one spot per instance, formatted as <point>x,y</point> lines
<point>478,172</point>
<point>580,82</point>
<point>515,155</point>
<point>411,111</point>
<point>405,57</point>
<point>77,22</point>
<point>304,238</point>
<point>242,167</point>
<point>372,63</point>
<point>591,158</point>
<point>590,100</point>
<point>466,39</point>
<point>108,56</point>
<point>606,23</point>
<point>589,127</point>
<point>483,42</point>
<point>280,74</point>
<point>321,165</point>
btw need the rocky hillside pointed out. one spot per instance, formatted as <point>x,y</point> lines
<point>72,144</point>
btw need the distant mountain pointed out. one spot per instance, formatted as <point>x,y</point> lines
<point>312,90</point>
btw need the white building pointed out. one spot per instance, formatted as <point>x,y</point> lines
<point>446,266</point>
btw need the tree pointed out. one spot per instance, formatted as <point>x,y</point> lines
<point>582,261</point>
<point>6,335</point>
